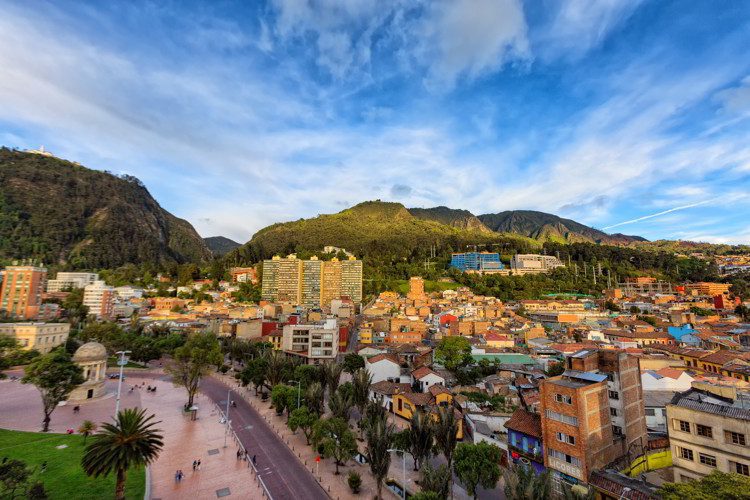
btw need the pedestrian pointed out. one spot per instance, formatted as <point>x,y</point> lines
<point>239,454</point>
<point>177,476</point>
<point>195,465</point>
<point>199,464</point>
<point>254,460</point>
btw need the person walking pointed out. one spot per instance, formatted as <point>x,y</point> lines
<point>254,462</point>
<point>195,465</point>
<point>198,466</point>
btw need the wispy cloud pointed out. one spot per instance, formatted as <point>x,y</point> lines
<point>658,214</point>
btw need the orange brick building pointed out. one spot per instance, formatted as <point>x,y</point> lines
<point>21,292</point>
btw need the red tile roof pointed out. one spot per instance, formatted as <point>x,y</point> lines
<point>380,357</point>
<point>422,372</point>
<point>390,388</point>
<point>525,422</point>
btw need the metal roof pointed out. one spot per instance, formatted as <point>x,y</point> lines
<point>716,409</point>
<point>587,376</point>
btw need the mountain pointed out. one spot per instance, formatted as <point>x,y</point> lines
<point>548,227</point>
<point>57,211</point>
<point>462,219</point>
<point>369,228</point>
<point>219,245</point>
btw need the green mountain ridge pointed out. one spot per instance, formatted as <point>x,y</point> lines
<point>59,212</point>
<point>461,219</point>
<point>220,245</point>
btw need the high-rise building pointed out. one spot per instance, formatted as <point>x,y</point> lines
<point>311,283</point>
<point>477,261</point>
<point>533,263</point>
<point>21,291</point>
<point>64,281</point>
<point>100,299</point>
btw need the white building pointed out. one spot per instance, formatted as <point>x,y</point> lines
<point>666,379</point>
<point>384,367</point>
<point>100,299</point>
<point>313,343</point>
<point>533,263</point>
<point>65,281</point>
<point>128,292</point>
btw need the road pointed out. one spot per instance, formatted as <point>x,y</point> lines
<point>284,476</point>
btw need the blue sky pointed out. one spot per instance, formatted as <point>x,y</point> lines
<point>622,114</point>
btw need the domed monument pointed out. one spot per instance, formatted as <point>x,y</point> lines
<point>92,358</point>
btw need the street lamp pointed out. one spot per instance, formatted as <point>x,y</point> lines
<point>121,362</point>
<point>226,418</point>
<point>299,389</point>
<point>403,464</point>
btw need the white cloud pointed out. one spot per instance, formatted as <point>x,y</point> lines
<point>736,100</point>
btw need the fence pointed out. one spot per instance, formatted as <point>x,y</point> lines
<point>250,463</point>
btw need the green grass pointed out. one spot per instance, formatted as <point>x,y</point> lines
<point>112,363</point>
<point>64,477</point>
<point>429,286</point>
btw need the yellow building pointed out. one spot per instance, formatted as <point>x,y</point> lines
<point>707,288</point>
<point>406,403</point>
<point>42,337</point>
<point>365,333</point>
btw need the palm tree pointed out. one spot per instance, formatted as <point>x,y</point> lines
<point>87,428</point>
<point>332,373</point>
<point>420,437</point>
<point>379,435</point>
<point>523,483</point>
<point>277,364</point>
<point>131,441</point>
<point>340,405</point>
<point>314,397</point>
<point>446,429</point>
<point>362,381</point>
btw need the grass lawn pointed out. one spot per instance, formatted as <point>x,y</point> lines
<point>64,477</point>
<point>429,286</point>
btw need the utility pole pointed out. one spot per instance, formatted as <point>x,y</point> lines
<point>122,362</point>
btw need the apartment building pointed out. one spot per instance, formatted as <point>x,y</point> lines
<point>311,283</point>
<point>709,429</point>
<point>534,263</point>
<point>313,343</point>
<point>576,425</point>
<point>21,291</point>
<point>477,262</point>
<point>707,288</point>
<point>42,337</point>
<point>64,281</point>
<point>100,299</point>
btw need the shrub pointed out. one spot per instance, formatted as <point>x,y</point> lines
<point>355,481</point>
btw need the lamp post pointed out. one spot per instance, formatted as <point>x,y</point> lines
<point>299,389</point>
<point>122,362</point>
<point>226,418</point>
<point>403,465</point>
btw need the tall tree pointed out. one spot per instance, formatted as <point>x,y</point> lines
<point>437,480</point>
<point>378,436</point>
<point>715,485</point>
<point>353,362</point>
<point>55,375</point>
<point>336,439</point>
<point>523,483</point>
<point>314,398</point>
<point>453,352</point>
<point>477,465</point>
<point>193,361</point>
<point>362,380</point>
<point>131,441</point>
<point>332,373</point>
<point>420,437</point>
<point>306,375</point>
<point>277,367</point>
<point>302,418</point>
<point>446,431</point>
<point>340,404</point>
<point>255,373</point>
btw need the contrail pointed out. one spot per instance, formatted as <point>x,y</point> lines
<point>675,209</point>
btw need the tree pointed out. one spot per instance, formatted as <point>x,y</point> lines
<point>255,373</point>
<point>353,362</point>
<point>355,481</point>
<point>337,441</point>
<point>555,369</point>
<point>302,418</point>
<point>446,431</point>
<point>86,428</point>
<point>131,441</point>
<point>743,312</point>
<point>361,381</point>
<point>420,437</point>
<point>332,373</point>
<point>193,361</point>
<point>340,404</point>
<point>314,398</point>
<point>477,465</point>
<point>73,305</point>
<point>436,480</point>
<point>426,495</point>
<point>379,436</point>
<point>55,375</point>
<point>276,368</point>
<point>401,440</point>
<point>306,375</point>
<point>716,485</point>
<point>453,352</point>
<point>523,483</point>
<point>280,398</point>
<point>13,475</point>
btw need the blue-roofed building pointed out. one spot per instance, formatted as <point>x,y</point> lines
<point>477,261</point>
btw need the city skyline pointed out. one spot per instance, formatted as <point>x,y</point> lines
<point>627,116</point>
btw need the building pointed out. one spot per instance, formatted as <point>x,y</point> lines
<point>313,343</point>
<point>707,288</point>
<point>709,430</point>
<point>313,282</point>
<point>576,425</point>
<point>477,262</point>
<point>243,275</point>
<point>100,299</point>
<point>92,358</point>
<point>64,281</point>
<point>416,289</point>
<point>21,291</point>
<point>525,439</point>
<point>42,337</point>
<point>384,367</point>
<point>533,263</point>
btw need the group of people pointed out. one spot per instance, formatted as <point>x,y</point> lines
<point>243,455</point>
<point>196,465</point>
<point>149,388</point>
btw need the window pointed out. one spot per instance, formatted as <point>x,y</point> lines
<point>613,412</point>
<point>564,457</point>
<point>704,430</point>
<point>617,430</point>
<point>735,438</point>
<point>686,453</point>
<point>566,438</point>
<point>614,395</point>
<point>564,398</point>
<point>739,468</point>
<point>709,460</point>
<point>650,412</point>
<point>681,425</point>
<point>566,419</point>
